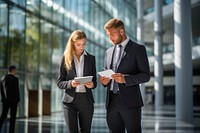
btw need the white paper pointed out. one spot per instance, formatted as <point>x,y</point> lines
<point>107,73</point>
<point>84,79</point>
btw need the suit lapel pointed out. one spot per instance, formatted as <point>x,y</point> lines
<point>126,50</point>
<point>74,69</point>
<point>85,65</point>
<point>111,57</point>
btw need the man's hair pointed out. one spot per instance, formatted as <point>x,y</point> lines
<point>11,68</point>
<point>114,23</point>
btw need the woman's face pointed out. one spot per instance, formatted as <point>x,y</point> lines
<point>79,46</point>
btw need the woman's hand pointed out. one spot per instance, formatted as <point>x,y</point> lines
<point>75,83</point>
<point>89,84</point>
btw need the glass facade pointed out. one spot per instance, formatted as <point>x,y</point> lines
<point>33,36</point>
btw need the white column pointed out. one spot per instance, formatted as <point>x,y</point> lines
<point>26,98</point>
<point>40,98</point>
<point>183,60</point>
<point>158,64</point>
<point>140,34</point>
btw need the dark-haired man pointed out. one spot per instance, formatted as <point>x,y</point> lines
<point>10,97</point>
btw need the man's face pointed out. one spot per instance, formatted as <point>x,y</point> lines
<point>14,71</point>
<point>115,35</point>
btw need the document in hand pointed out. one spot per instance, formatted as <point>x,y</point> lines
<point>84,79</point>
<point>107,73</point>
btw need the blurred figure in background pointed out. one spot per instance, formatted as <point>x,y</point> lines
<point>10,97</point>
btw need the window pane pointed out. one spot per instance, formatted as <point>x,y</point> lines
<point>45,46</point>
<point>46,8</point>
<point>16,37</point>
<point>58,11</point>
<point>32,43</point>
<point>58,48</point>
<point>20,2</point>
<point>3,34</point>
<point>33,5</point>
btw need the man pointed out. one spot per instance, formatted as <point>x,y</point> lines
<point>10,97</point>
<point>129,60</point>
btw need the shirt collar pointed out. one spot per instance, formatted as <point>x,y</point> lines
<point>124,42</point>
<point>85,53</point>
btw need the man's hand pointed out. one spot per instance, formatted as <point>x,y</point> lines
<point>104,80</point>
<point>118,77</point>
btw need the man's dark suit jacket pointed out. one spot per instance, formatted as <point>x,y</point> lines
<point>65,77</point>
<point>134,64</point>
<point>12,89</point>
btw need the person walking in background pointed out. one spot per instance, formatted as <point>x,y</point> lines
<point>10,97</point>
<point>78,98</point>
<point>130,63</point>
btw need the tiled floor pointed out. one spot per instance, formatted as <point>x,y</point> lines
<point>162,121</point>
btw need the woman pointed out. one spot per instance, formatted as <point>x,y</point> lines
<point>78,99</point>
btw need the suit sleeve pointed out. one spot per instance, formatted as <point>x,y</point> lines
<point>143,74</point>
<point>17,89</point>
<point>1,90</point>
<point>62,74</point>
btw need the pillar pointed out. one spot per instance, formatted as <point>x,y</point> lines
<point>140,34</point>
<point>183,60</point>
<point>158,64</point>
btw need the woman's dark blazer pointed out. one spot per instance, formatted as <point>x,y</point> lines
<point>65,77</point>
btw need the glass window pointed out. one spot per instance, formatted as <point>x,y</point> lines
<point>33,5</point>
<point>45,82</point>
<point>45,46</point>
<point>16,37</point>
<point>3,34</point>
<point>20,2</point>
<point>58,48</point>
<point>32,43</point>
<point>67,14</point>
<point>46,8</point>
<point>73,15</point>
<point>58,11</point>
<point>31,81</point>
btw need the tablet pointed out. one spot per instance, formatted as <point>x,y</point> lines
<point>84,79</point>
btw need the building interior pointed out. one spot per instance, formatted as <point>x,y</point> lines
<point>33,37</point>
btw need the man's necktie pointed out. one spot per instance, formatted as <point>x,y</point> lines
<point>118,55</point>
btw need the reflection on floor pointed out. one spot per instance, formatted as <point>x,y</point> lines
<point>162,121</point>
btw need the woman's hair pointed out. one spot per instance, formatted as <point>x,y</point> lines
<point>114,23</point>
<point>70,50</point>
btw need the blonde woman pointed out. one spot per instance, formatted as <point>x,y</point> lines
<point>78,99</point>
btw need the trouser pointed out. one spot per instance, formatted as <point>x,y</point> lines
<point>119,117</point>
<point>78,114</point>
<point>13,111</point>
